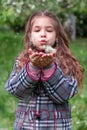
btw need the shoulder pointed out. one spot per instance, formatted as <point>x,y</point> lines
<point>16,62</point>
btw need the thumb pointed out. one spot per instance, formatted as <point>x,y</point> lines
<point>30,51</point>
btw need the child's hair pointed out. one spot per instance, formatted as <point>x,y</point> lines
<point>65,59</point>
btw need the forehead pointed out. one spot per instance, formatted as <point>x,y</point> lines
<point>42,21</point>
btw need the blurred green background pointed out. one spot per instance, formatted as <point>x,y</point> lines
<point>13,16</point>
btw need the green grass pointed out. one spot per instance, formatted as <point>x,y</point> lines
<point>79,103</point>
<point>11,45</point>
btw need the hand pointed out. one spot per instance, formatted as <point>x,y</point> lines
<point>35,58</point>
<point>41,59</point>
<point>47,59</point>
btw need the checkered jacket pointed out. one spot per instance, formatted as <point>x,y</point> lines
<point>44,95</point>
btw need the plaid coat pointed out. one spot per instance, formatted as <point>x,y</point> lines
<point>44,95</point>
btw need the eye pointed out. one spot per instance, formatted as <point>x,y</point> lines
<point>36,30</point>
<point>50,30</point>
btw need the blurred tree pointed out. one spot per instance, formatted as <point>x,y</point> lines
<point>15,13</point>
<point>70,27</point>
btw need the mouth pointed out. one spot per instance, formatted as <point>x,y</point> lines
<point>43,42</point>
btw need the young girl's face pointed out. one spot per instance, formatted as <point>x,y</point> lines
<point>42,32</point>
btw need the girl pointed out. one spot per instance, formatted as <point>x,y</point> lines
<point>45,77</point>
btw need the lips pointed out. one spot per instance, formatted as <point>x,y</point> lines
<point>43,42</point>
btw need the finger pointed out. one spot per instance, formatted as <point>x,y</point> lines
<point>36,58</point>
<point>48,60</point>
<point>30,51</point>
<point>34,54</point>
<point>44,55</point>
<point>47,56</point>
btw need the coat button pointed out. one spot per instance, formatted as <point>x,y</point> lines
<point>37,116</point>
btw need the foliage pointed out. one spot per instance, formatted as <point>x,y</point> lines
<point>15,13</point>
<point>11,45</point>
<point>79,103</point>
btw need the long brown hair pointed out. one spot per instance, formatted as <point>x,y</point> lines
<point>65,58</point>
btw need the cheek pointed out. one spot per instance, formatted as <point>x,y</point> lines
<point>32,37</point>
<point>53,35</point>
<point>53,38</point>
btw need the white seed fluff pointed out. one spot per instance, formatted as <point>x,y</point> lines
<point>48,49</point>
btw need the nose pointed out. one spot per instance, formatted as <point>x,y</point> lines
<point>43,33</point>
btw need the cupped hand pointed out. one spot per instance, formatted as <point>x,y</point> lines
<point>41,59</point>
<point>47,59</point>
<point>35,57</point>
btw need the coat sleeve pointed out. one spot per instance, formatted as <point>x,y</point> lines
<point>21,84</point>
<point>60,87</point>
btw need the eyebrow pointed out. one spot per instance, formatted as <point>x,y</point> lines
<point>45,26</point>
